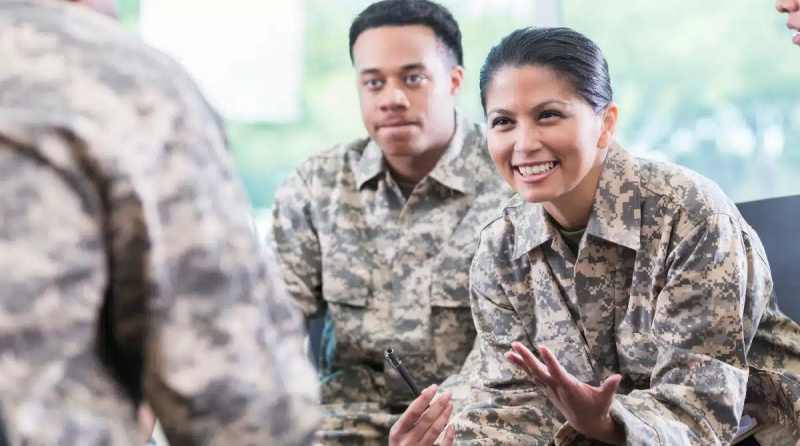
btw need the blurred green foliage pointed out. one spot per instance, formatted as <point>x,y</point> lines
<point>711,87</point>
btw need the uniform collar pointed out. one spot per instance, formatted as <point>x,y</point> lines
<point>616,210</point>
<point>452,171</point>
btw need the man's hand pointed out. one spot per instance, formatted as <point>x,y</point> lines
<point>586,408</point>
<point>422,422</point>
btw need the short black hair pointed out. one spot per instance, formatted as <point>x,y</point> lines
<point>566,51</point>
<point>411,12</point>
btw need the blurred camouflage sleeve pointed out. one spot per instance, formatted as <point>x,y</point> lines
<point>295,332</point>
<point>53,388</point>
<point>296,246</point>
<point>697,389</point>
<point>224,356</point>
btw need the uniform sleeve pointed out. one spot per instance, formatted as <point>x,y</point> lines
<point>775,387</point>
<point>296,246</point>
<point>506,408</point>
<point>52,281</point>
<point>458,384</point>
<point>224,362</point>
<point>705,319</point>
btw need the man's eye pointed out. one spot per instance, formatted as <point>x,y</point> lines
<point>414,79</point>
<point>373,83</point>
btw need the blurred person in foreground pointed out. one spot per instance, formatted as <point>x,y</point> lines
<point>378,234</point>
<point>130,270</point>
<point>617,300</point>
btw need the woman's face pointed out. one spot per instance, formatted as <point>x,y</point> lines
<point>543,137</point>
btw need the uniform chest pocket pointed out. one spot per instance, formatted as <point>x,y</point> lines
<point>344,283</point>
<point>355,329</point>
<point>571,353</point>
<point>450,308</point>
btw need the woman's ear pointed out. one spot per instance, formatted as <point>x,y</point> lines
<point>609,126</point>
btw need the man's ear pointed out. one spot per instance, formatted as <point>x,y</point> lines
<point>456,79</point>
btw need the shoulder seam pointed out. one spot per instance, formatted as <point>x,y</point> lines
<point>682,207</point>
<point>736,221</point>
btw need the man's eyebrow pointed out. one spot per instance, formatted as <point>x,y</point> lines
<point>413,66</point>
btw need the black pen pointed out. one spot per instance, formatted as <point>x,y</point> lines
<point>397,364</point>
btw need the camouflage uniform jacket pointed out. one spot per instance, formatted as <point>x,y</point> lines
<point>129,268</point>
<point>390,272</point>
<point>670,288</point>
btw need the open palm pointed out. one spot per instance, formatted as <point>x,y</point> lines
<point>586,408</point>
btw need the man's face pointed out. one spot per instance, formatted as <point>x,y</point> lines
<point>407,84</point>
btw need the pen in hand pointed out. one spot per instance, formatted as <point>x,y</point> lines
<point>397,364</point>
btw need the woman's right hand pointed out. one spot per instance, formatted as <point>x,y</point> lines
<point>423,421</point>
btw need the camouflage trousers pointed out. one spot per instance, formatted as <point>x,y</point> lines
<point>357,424</point>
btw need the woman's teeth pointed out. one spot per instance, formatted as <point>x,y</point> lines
<point>537,169</point>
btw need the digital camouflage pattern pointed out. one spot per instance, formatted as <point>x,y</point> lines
<point>670,288</point>
<point>129,267</point>
<point>389,272</point>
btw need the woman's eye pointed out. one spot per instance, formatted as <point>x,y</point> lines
<point>550,114</point>
<point>500,122</point>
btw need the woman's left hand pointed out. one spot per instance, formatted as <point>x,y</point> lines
<point>586,408</point>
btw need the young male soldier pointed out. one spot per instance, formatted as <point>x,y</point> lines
<point>129,268</point>
<point>378,234</point>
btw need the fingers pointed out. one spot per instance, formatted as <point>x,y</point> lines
<point>536,370</point>
<point>609,387</point>
<point>441,406</point>
<point>439,424</point>
<point>554,367</point>
<point>147,421</point>
<point>413,413</point>
<point>517,359</point>
<point>450,436</point>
